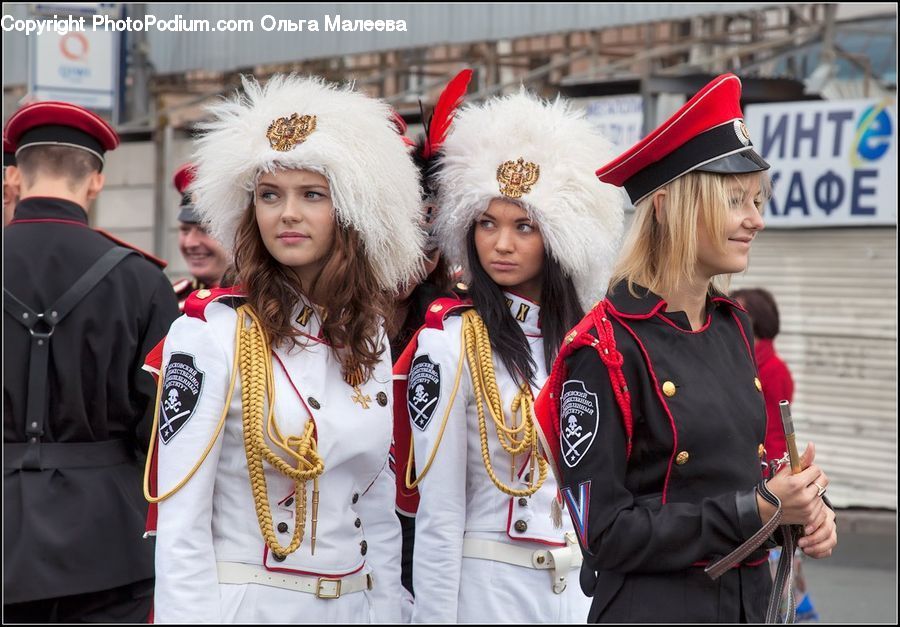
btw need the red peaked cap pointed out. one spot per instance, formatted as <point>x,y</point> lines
<point>706,134</point>
<point>60,123</point>
<point>183,177</point>
<point>182,180</point>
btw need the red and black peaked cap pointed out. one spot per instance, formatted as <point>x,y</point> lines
<point>707,134</point>
<point>52,123</point>
<point>182,180</point>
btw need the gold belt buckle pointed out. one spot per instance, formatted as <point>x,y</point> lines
<point>323,593</point>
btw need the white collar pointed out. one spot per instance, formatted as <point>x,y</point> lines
<point>526,312</point>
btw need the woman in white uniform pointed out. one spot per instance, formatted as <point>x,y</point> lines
<point>536,235</point>
<point>275,494</point>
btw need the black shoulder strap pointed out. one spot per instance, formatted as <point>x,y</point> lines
<point>41,327</point>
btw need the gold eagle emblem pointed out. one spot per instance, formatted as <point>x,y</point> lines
<point>516,178</point>
<point>285,133</point>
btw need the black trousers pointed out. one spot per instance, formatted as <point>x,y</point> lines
<point>125,604</point>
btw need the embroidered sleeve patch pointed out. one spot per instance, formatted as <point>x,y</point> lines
<point>578,504</point>
<point>579,415</point>
<point>181,391</point>
<point>423,391</point>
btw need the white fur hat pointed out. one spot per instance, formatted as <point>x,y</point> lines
<point>305,123</point>
<point>541,155</point>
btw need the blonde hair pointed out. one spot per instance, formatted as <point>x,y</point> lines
<point>662,256</point>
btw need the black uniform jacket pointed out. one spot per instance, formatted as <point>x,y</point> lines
<point>74,530</point>
<point>651,520</point>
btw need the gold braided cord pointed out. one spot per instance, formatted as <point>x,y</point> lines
<point>514,439</point>
<point>258,383</point>
<point>153,433</point>
<point>409,460</point>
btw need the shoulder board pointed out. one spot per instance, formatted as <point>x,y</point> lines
<point>441,308</point>
<point>151,258</point>
<point>195,305</point>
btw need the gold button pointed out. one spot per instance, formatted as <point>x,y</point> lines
<point>436,308</point>
<point>761,450</point>
<point>758,383</point>
<point>541,559</point>
<point>521,526</point>
<point>203,294</point>
<point>571,337</point>
<point>682,458</point>
<point>462,287</point>
<point>313,403</point>
<point>381,397</point>
<point>668,388</point>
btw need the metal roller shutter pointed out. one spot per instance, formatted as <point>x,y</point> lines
<point>837,294</point>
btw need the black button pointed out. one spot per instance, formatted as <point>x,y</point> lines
<point>278,558</point>
<point>521,526</point>
<point>313,403</point>
<point>282,527</point>
<point>289,502</point>
<point>355,498</point>
<point>363,547</point>
<point>381,397</point>
<point>358,523</point>
<point>523,502</point>
<point>527,477</point>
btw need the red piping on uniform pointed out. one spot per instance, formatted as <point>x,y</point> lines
<point>728,301</point>
<point>57,220</point>
<point>649,314</point>
<point>675,326</point>
<point>744,335</point>
<point>509,517</point>
<point>311,417</point>
<point>294,571</point>
<point>523,539</point>
<point>664,404</point>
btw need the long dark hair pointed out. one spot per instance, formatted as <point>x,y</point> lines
<point>560,311</point>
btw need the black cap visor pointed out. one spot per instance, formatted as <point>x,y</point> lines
<point>739,163</point>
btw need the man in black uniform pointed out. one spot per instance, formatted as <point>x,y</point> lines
<point>80,313</point>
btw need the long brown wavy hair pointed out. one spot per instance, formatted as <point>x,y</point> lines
<point>353,301</point>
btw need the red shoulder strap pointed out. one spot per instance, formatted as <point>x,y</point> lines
<point>151,258</point>
<point>441,308</point>
<point>546,407</point>
<point>196,303</point>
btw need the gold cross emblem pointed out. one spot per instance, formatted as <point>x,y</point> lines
<point>362,400</point>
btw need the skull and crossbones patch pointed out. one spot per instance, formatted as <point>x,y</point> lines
<point>182,384</point>
<point>579,416</point>
<point>423,391</point>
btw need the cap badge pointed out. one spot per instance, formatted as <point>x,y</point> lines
<point>740,129</point>
<point>517,177</point>
<point>285,133</point>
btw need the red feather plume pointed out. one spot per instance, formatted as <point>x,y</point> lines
<point>446,106</point>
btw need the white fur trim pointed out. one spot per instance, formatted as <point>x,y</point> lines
<point>374,183</point>
<point>580,218</point>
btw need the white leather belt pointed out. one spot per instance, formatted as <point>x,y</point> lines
<point>322,587</point>
<point>561,560</point>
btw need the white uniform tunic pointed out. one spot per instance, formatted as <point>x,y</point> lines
<point>213,518</point>
<point>458,499</point>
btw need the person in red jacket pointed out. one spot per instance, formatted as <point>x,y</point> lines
<point>778,385</point>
